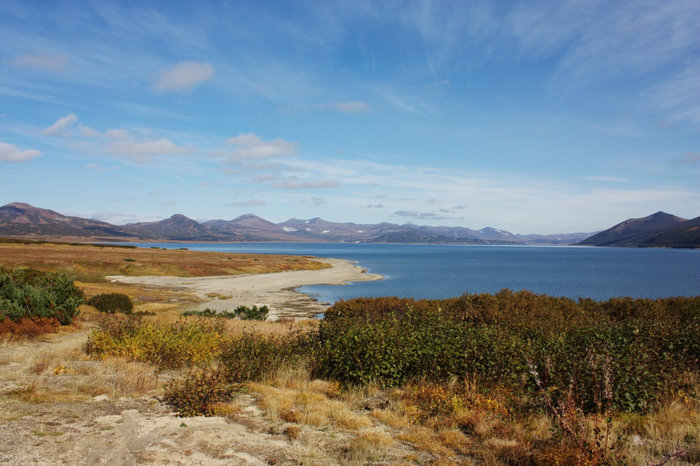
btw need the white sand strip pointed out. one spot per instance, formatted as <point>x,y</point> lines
<point>275,290</point>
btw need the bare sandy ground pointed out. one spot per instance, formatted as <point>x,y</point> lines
<point>275,290</point>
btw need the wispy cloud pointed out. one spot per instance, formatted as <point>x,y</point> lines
<point>145,151</point>
<point>679,96</point>
<point>623,130</point>
<point>419,215</point>
<point>612,179</point>
<point>41,62</point>
<point>117,218</point>
<point>61,125</point>
<point>293,183</point>
<point>183,76</point>
<point>246,203</point>
<point>11,153</point>
<point>251,147</point>
<point>351,107</point>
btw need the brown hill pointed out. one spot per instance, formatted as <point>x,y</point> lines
<point>656,230</point>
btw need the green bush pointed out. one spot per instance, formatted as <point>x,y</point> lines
<point>253,356</point>
<point>241,312</point>
<point>254,313</point>
<point>111,303</point>
<point>26,293</point>
<point>632,349</point>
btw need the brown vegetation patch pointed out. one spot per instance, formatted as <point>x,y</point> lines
<point>90,264</point>
<point>29,327</point>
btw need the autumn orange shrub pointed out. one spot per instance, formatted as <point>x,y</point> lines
<point>29,326</point>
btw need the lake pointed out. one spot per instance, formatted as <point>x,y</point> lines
<point>441,271</point>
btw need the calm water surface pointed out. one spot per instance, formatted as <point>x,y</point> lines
<point>442,271</point>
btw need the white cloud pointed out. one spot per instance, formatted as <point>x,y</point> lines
<point>43,62</point>
<point>310,184</point>
<point>118,142</point>
<point>117,133</point>
<point>351,106</point>
<point>144,151</point>
<point>184,76</point>
<point>517,203</point>
<point>11,153</point>
<point>88,132</point>
<point>116,218</point>
<point>250,146</point>
<point>61,126</point>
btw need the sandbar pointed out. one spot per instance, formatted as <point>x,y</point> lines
<point>277,291</point>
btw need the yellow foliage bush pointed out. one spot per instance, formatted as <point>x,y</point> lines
<point>168,345</point>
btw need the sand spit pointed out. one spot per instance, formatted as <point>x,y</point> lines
<point>275,290</point>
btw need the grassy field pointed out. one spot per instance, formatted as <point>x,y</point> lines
<point>89,263</point>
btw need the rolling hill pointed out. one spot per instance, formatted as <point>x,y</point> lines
<point>657,230</point>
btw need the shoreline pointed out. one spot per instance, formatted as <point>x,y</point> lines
<point>277,291</point>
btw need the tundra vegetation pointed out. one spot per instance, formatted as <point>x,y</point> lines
<point>513,378</point>
<point>509,378</point>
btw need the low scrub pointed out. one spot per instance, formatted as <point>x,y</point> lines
<point>29,326</point>
<point>198,392</point>
<point>178,344</point>
<point>111,303</point>
<point>641,347</point>
<point>28,293</point>
<point>241,312</point>
<point>253,357</point>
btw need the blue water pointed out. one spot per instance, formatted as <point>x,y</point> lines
<point>442,271</point>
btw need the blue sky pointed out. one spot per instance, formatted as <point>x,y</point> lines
<point>535,117</point>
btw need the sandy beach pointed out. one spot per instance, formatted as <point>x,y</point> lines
<point>275,290</point>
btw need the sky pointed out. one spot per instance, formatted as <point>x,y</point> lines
<point>529,116</point>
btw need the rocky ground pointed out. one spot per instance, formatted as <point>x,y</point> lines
<point>57,406</point>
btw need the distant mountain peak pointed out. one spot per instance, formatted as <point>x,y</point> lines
<point>19,205</point>
<point>638,231</point>
<point>21,219</point>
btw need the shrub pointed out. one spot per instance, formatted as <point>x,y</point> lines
<point>167,345</point>
<point>29,326</point>
<point>111,303</point>
<point>27,293</point>
<point>252,356</point>
<point>644,346</point>
<point>242,312</point>
<point>211,313</point>
<point>198,392</point>
<point>254,313</point>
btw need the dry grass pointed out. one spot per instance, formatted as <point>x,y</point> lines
<point>238,327</point>
<point>368,445</point>
<point>307,407</point>
<point>118,378</point>
<point>674,428</point>
<point>92,264</point>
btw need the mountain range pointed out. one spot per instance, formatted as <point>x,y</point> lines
<point>23,220</point>
<point>656,230</point>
